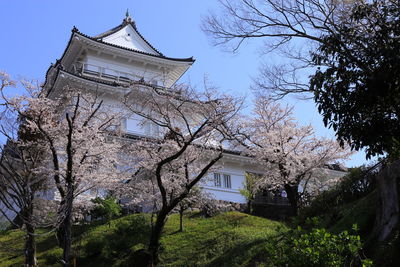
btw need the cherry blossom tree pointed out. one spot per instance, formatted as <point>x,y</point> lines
<point>288,152</point>
<point>189,145</point>
<point>77,133</point>
<point>20,182</point>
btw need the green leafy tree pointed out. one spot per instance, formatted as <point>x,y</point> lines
<point>249,189</point>
<point>358,92</point>
<point>106,208</point>
<point>350,46</point>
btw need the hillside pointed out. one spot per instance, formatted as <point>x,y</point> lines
<point>362,212</point>
<point>229,239</point>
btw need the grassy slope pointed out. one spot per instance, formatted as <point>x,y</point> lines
<point>229,239</point>
<point>226,240</point>
<point>360,212</point>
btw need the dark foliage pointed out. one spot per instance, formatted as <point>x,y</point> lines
<point>358,92</point>
<point>118,244</point>
<point>387,254</point>
<point>357,184</point>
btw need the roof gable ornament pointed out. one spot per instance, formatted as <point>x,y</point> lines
<point>128,19</point>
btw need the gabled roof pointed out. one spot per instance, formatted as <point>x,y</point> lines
<point>127,22</point>
<point>76,31</point>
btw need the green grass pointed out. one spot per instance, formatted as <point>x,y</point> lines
<point>12,243</point>
<point>228,239</point>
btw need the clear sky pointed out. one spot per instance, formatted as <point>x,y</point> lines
<point>35,34</point>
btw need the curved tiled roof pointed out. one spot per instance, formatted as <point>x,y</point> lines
<point>190,59</point>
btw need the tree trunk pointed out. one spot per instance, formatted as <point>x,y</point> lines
<point>292,192</point>
<point>180,219</point>
<point>249,206</point>
<point>30,245</point>
<point>28,221</point>
<point>67,242</point>
<point>387,217</point>
<point>64,233</point>
<point>156,232</point>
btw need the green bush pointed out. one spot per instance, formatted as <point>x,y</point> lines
<point>94,246</point>
<point>106,208</point>
<point>133,231</point>
<point>316,248</point>
<point>54,256</point>
<point>357,184</point>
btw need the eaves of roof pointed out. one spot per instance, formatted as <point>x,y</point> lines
<point>225,151</point>
<point>189,60</point>
<point>162,91</point>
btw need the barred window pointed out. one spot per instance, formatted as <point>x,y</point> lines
<point>222,180</point>
<point>217,179</point>
<point>227,181</point>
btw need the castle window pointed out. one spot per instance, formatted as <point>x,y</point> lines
<point>222,180</point>
<point>217,179</point>
<point>227,181</point>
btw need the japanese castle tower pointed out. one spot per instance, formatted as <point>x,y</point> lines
<point>112,61</point>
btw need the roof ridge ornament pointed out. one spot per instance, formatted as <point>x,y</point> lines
<point>128,18</point>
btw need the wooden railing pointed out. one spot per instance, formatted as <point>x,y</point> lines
<point>108,74</point>
<point>273,200</point>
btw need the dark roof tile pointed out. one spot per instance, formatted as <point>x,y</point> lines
<point>190,59</point>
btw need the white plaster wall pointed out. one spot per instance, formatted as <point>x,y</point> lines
<point>133,123</point>
<point>226,195</point>
<point>127,37</point>
<point>237,171</point>
<point>136,125</point>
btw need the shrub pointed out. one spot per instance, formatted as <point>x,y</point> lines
<point>357,184</point>
<point>210,209</point>
<point>54,256</point>
<point>107,208</point>
<point>94,246</point>
<point>133,231</point>
<point>316,248</point>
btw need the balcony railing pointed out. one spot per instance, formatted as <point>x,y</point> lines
<point>109,74</point>
<point>273,200</point>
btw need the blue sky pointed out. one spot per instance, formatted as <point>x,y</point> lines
<point>35,34</point>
